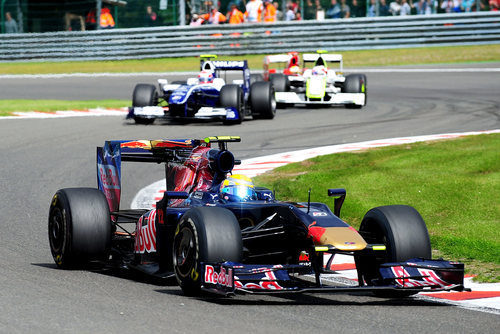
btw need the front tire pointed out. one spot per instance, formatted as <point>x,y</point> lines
<point>404,233</point>
<point>204,234</point>
<point>79,226</point>
<point>355,83</point>
<point>262,100</point>
<point>144,95</point>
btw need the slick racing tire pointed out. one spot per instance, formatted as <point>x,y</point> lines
<point>143,120</point>
<point>262,100</point>
<point>79,226</point>
<point>404,233</point>
<point>355,83</point>
<point>280,82</point>
<point>144,95</point>
<point>205,234</point>
<point>256,78</point>
<point>232,96</point>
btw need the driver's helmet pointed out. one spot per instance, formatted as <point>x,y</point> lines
<point>294,69</point>
<point>319,70</point>
<point>205,77</point>
<point>238,188</point>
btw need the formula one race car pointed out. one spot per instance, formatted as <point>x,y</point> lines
<point>220,233</point>
<point>317,85</point>
<point>207,96</point>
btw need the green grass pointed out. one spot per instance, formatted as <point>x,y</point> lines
<point>454,184</point>
<point>409,56</point>
<point>9,106</point>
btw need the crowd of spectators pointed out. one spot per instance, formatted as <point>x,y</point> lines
<point>253,11</point>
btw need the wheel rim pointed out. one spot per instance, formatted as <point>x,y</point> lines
<point>56,230</point>
<point>185,252</point>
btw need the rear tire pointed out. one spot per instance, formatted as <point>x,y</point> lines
<point>280,82</point>
<point>232,96</point>
<point>79,226</point>
<point>405,235</point>
<point>204,234</point>
<point>262,100</point>
<point>256,78</point>
<point>355,83</point>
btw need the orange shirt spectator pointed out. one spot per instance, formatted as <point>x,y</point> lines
<point>214,17</point>
<point>235,15</point>
<point>269,12</point>
<point>254,10</point>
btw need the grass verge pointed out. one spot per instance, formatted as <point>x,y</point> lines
<point>389,57</point>
<point>9,106</point>
<point>454,184</point>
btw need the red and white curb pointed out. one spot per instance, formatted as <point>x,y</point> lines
<point>68,113</point>
<point>484,297</point>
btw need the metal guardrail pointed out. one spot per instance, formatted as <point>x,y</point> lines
<point>302,36</point>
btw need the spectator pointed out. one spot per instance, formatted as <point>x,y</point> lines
<point>372,9</point>
<point>447,6</point>
<point>10,24</point>
<point>279,13</point>
<point>309,11</point>
<point>345,10</point>
<point>357,10</point>
<point>494,5</point>
<point>457,6</point>
<point>298,17</point>
<point>106,20</point>
<point>420,7</point>
<point>467,5</point>
<point>214,17</point>
<point>235,16</point>
<point>395,7</point>
<point>253,11</point>
<point>383,9</point>
<point>320,12</point>
<point>290,14</point>
<point>196,21</point>
<point>269,12</point>
<point>150,19</point>
<point>405,8</point>
<point>334,11</point>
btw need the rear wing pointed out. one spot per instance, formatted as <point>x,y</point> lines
<point>112,153</point>
<point>325,57</point>
<point>282,59</point>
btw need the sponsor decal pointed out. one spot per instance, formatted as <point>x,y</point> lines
<point>145,233</point>
<point>429,278</point>
<point>268,282</point>
<point>226,63</point>
<point>319,214</point>
<point>109,176</point>
<point>221,278</point>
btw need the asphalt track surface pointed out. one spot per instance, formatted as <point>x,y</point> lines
<point>40,156</point>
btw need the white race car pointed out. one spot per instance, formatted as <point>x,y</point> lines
<point>316,84</point>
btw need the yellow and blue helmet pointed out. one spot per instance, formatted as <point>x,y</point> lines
<point>238,188</point>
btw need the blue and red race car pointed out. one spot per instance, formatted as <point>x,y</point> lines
<point>207,96</point>
<point>218,232</point>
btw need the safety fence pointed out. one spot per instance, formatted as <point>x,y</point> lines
<point>302,36</point>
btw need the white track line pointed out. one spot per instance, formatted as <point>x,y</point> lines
<point>348,70</point>
<point>67,113</point>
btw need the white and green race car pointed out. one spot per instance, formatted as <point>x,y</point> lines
<point>320,81</point>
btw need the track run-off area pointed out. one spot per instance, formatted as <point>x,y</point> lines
<point>41,155</point>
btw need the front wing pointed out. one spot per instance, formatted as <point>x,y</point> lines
<point>335,99</point>
<point>416,275</point>
<point>228,113</point>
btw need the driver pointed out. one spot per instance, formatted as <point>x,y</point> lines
<point>205,77</point>
<point>238,188</point>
